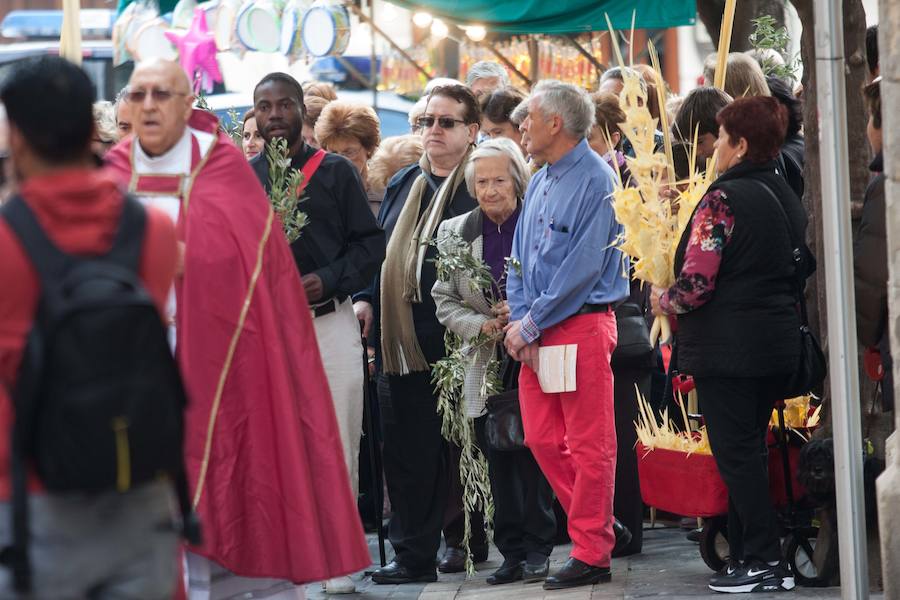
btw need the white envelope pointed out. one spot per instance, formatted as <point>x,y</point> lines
<point>556,368</point>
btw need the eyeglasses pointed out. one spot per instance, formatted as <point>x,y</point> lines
<point>349,153</point>
<point>138,96</point>
<point>443,122</point>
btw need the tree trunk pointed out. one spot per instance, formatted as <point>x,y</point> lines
<point>889,481</point>
<point>710,14</point>
<point>876,424</point>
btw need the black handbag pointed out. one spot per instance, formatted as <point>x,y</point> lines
<point>811,367</point>
<point>633,348</point>
<point>503,425</point>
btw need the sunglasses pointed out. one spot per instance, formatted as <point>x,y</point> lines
<point>443,122</point>
<point>138,96</point>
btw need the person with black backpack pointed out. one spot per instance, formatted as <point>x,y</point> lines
<point>91,402</point>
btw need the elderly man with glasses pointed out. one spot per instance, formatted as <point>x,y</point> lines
<point>260,423</point>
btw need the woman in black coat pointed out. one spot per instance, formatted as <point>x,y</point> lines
<point>738,325</point>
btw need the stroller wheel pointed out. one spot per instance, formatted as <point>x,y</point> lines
<point>714,543</point>
<point>799,549</point>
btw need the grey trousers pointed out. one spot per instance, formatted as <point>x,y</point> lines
<point>107,546</point>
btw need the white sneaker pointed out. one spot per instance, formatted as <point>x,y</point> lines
<point>340,585</point>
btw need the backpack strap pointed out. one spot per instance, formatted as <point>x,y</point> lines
<point>129,241</point>
<point>48,260</point>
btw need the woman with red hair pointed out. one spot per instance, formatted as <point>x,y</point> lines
<point>738,326</point>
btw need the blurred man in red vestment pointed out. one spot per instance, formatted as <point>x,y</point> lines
<point>262,447</point>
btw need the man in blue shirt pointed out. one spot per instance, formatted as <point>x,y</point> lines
<point>571,278</point>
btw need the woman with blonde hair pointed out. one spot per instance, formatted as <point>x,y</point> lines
<point>319,89</point>
<point>743,76</point>
<point>393,154</point>
<point>351,130</point>
<point>106,134</point>
<point>313,105</point>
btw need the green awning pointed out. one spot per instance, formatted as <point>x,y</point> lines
<point>543,16</point>
<point>559,16</point>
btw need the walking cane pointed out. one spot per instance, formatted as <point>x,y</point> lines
<point>374,457</point>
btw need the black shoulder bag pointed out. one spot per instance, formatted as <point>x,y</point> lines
<point>503,428</point>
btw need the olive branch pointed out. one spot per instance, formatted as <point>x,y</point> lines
<point>284,183</point>
<point>768,37</point>
<point>448,374</point>
<point>236,132</point>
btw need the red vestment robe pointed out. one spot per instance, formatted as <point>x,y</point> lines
<point>262,448</point>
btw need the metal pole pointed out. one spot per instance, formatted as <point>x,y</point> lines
<point>373,57</point>
<point>843,373</point>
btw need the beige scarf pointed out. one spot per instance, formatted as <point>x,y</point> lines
<point>402,270</point>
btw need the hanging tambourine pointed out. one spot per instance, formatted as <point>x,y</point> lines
<point>183,13</point>
<point>133,18</point>
<point>221,16</point>
<point>149,41</point>
<point>259,25</point>
<point>326,28</point>
<point>291,18</point>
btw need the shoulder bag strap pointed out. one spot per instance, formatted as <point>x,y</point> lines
<point>796,255</point>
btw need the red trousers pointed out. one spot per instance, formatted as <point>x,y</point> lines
<point>572,435</point>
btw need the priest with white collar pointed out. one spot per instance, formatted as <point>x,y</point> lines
<point>260,424</point>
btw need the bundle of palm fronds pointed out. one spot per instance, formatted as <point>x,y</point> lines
<point>653,434</point>
<point>656,210</point>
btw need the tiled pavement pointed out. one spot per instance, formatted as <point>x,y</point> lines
<point>669,567</point>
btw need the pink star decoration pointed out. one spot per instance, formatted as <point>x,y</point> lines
<point>197,51</point>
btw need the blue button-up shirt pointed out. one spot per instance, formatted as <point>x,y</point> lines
<point>565,243</point>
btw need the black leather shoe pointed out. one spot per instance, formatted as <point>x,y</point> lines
<point>623,538</point>
<point>454,561</point>
<point>395,573</point>
<point>576,573</point>
<point>509,571</point>
<point>533,572</point>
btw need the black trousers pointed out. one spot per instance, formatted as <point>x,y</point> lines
<point>737,413</point>
<point>628,507</point>
<point>418,468</point>
<point>524,523</point>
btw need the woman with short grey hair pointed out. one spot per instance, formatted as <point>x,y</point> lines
<point>500,147</point>
<point>486,76</point>
<point>524,523</point>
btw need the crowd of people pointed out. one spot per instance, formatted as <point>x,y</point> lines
<point>277,343</point>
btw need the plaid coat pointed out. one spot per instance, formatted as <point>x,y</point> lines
<point>462,310</point>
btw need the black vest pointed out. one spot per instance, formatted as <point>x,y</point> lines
<point>749,326</point>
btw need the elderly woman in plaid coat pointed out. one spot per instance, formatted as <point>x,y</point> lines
<point>524,523</point>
